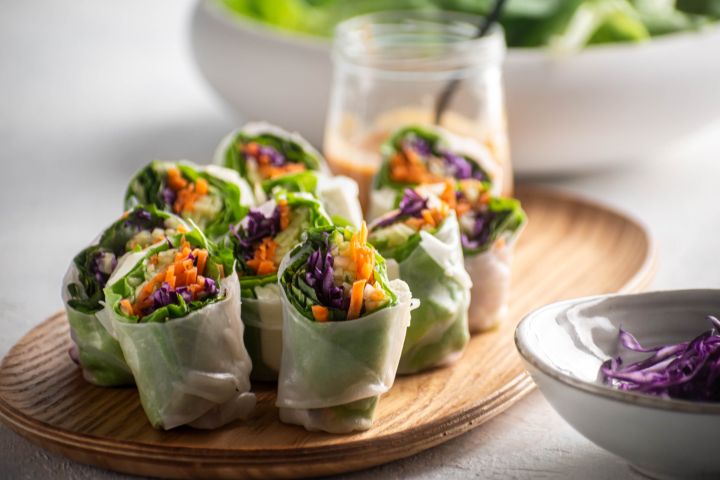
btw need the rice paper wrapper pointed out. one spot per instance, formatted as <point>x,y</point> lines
<point>335,364</point>
<point>192,370</point>
<point>436,275</point>
<point>382,201</point>
<point>263,321</point>
<point>351,417</point>
<point>99,354</point>
<point>340,197</point>
<point>247,196</point>
<point>490,273</point>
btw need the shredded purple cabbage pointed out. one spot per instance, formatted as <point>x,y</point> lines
<point>686,370</point>
<point>140,219</point>
<point>168,196</point>
<point>277,159</point>
<point>319,277</point>
<point>251,231</point>
<point>411,205</point>
<point>418,145</point>
<point>481,230</point>
<point>97,267</point>
<point>166,295</point>
<point>457,165</point>
<point>211,287</point>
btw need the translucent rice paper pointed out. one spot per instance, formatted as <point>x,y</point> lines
<point>340,197</point>
<point>490,273</point>
<point>332,372</point>
<point>382,201</point>
<point>263,321</point>
<point>436,275</point>
<point>260,128</point>
<point>101,358</point>
<point>192,370</point>
<point>231,176</point>
<point>385,198</point>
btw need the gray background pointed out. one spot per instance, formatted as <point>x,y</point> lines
<point>91,90</point>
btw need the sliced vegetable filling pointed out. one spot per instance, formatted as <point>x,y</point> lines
<point>264,162</point>
<point>256,244</point>
<point>262,153</point>
<point>136,230</point>
<point>171,281</point>
<point>211,198</point>
<point>396,234</point>
<point>421,157</point>
<point>339,276</point>
<point>193,199</point>
<point>416,212</point>
<point>484,220</point>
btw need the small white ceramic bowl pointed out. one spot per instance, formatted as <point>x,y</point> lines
<point>606,105</point>
<point>563,346</point>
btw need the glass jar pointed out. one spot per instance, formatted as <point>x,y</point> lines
<point>390,70</point>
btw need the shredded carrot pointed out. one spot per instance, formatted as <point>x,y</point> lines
<point>252,148</point>
<point>448,194</point>
<point>266,267</point>
<point>187,192</point>
<point>263,262</point>
<point>415,223</point>
<point>202,256</point>
<point>127,307</point>
<point>361,254</point>
<point>407,167</point>
<point>125,214</point>
<point>201,186</point>
<point>428,217</point>
<point>175,179</point>
<point>356,299</point>
<point>181,228</point>
<point>269,171</point>
<point>320,313</point>
<point>190,276</point>
<point>200,281</point>
<point>170,277</point>
<point>284,214</point>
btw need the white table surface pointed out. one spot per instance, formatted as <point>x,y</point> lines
<point>90,91</point>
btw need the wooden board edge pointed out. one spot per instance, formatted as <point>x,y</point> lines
<point>137,459</point>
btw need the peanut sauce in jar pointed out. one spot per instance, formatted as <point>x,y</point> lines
<point>389,71</point>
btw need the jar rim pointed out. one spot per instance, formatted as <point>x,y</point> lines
<point>416,41</point>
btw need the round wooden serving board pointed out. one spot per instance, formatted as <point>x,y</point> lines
<point>570,248</point>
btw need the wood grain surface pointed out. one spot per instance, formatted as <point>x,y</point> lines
<point>570,248</point>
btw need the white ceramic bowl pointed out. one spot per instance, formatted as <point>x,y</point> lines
<point>563,346</point>
<point>604,106</point>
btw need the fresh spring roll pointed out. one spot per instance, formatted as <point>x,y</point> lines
<point>97,352</point>
<point>489,228</point>
<point>344,325</point>
<point>269,157</point>
<point>213,197</point>
<point>421,244</point>
<point>259,242</point>
<point>417,155</point>
<point>176,313</point>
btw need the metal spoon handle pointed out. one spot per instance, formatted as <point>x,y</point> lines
<point>451,87</point>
